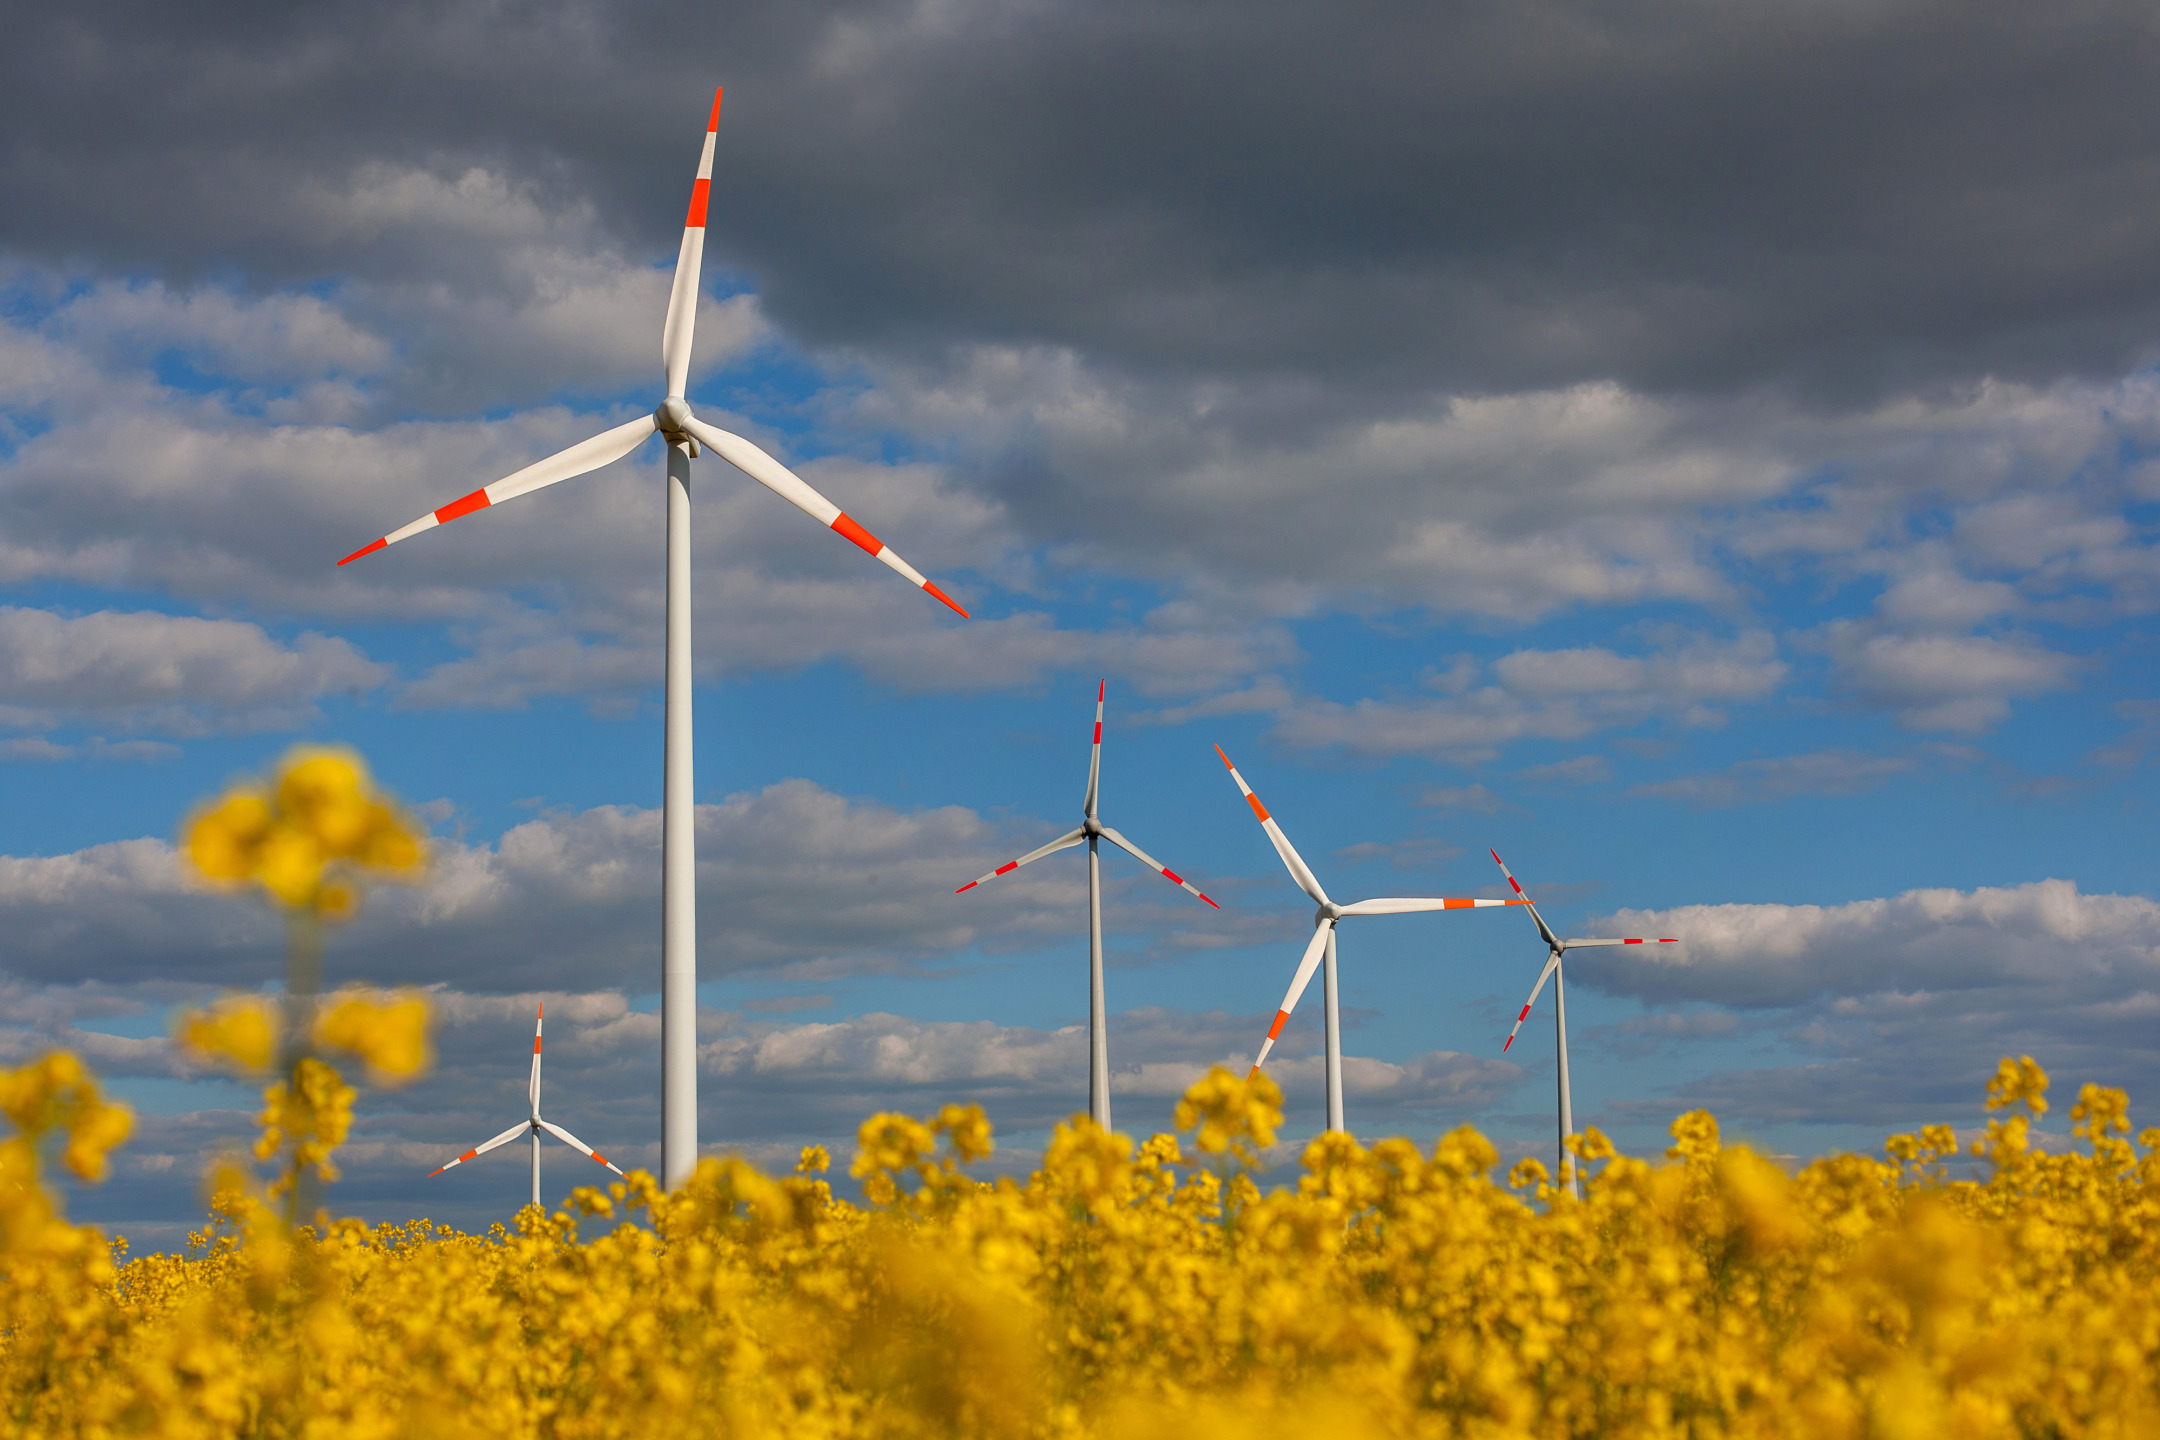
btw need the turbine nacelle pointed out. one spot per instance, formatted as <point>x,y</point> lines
<point>673,419</point>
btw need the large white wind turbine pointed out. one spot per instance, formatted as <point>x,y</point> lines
<point>532,1126</point>
<point>1552,971</point>
<point>1091,829</point>
<point>1323,943</point>
<point>684,434</point>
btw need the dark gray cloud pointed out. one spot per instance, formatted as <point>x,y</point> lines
<point>1475,196</point>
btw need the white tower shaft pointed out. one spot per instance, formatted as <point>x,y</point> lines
<point>678,853</point>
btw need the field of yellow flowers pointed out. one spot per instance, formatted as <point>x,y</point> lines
<point>1122,1291</point>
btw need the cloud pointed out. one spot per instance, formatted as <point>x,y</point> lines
<point>2045,937</point>
<point>175,674</point>
<point>792,879</point>
<point>1959,683</point>
<point>1759,782</point>
<point>1546,694</point>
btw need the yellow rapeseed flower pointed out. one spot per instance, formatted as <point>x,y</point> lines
<point>307,835</point>
<point>389,1033</point>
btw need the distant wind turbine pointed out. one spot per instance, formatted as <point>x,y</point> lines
<point>532,1126</point>
<point>684,433</point>
<point>1552,969</point>
<point>1091,829</point>
<point>1323,942</point>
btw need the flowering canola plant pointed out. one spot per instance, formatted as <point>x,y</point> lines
<point>1126,1291</point>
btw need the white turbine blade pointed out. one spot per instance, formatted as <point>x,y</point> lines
<point>1064,842</point>
<point>1659,940</point>
<point>1299,870</point>
<point>1095,756</point>
<point>791,487</point>
<point>1419,905</point>
<point>1151,862</point>
<point>682,300</point>
<point>576,1144</point>
<point>533,1089</point>
<point>1542,928</point>
<point>1552,963</point>
<point>1314,949</point>
<point>508,1135</point>
<point>607,446</point>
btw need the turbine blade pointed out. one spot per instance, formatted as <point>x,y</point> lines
<point>1095,756</point>
<point>533,1089</point>
<point>1064,842</point>
<point>508,1135</point>
<point>682,300</point>
<point>791,487</point>
<point>1552,963</point>
<point>1417,905</point>
<point>1314,949</point>
<point>1299,870</point>
<point>1151,862</point>
<point>576,1144</point>
<point>1542,928</point>
<point>607,446</point>
<point>1659,940</point>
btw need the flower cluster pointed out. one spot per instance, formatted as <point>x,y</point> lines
<point>307,836</point>
<point>1122,1291</point>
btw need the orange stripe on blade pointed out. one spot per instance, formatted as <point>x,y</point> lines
<point>947,599</point>
<point>860,536</point>
<point>1276,1029</point>
<point>714,123</point>
<point>1257,808</point>
<point>1458,904</point>
<point>967,887</point>
<point>478,500</point>
<point>368,549</point>
<point>598,1158</point>
<point>699,189</point>
<point>1007,866</point>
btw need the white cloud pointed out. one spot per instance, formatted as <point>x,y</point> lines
<point>172,673</point>
<point>2046,937</point>
<point>1959,683</point>
<point>1757,782</point>
<point>1550,694</point>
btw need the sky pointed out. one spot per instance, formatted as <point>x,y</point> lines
<point>1710,455</point>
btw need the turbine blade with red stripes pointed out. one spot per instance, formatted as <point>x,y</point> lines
<point>1552,963</point>
<point>532,1090</point>
<point>508,1135</point>
<point>683,298</point>
<point>602,449</point>
<point>576,1144</point>
<point>1418,905</point>
<point>1632,940</point>
<point>791,487</point>
<point>1064,842</point>
<point>1542,928</point>
<point>1299,870</point>
<point>1151,862</point>
<point>1095,757</point>
<point>1314,949</point>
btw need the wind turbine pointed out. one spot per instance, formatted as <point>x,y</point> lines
<point>533,1126</point>
<point>684,434</point>
<point>1552,969</point>
<point>1323,943</point>
<point>1091,829</point>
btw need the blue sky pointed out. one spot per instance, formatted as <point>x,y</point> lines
<point>1762,555</point>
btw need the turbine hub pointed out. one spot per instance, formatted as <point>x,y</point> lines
<point>1092,826</point>
<point>673,414</point>
<point>1329,911</point>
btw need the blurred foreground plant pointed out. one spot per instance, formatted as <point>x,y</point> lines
<point>308,840</point>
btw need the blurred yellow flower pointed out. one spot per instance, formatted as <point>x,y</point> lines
<point>241,1031</point>
<point>307,835</point>
<point>389,1033</point>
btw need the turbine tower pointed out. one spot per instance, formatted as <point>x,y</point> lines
<point>1092,830</point>
<point>684,434</point>
<point>1558,948</point>
<point>1323,943</point>
<point>532,1126</point>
